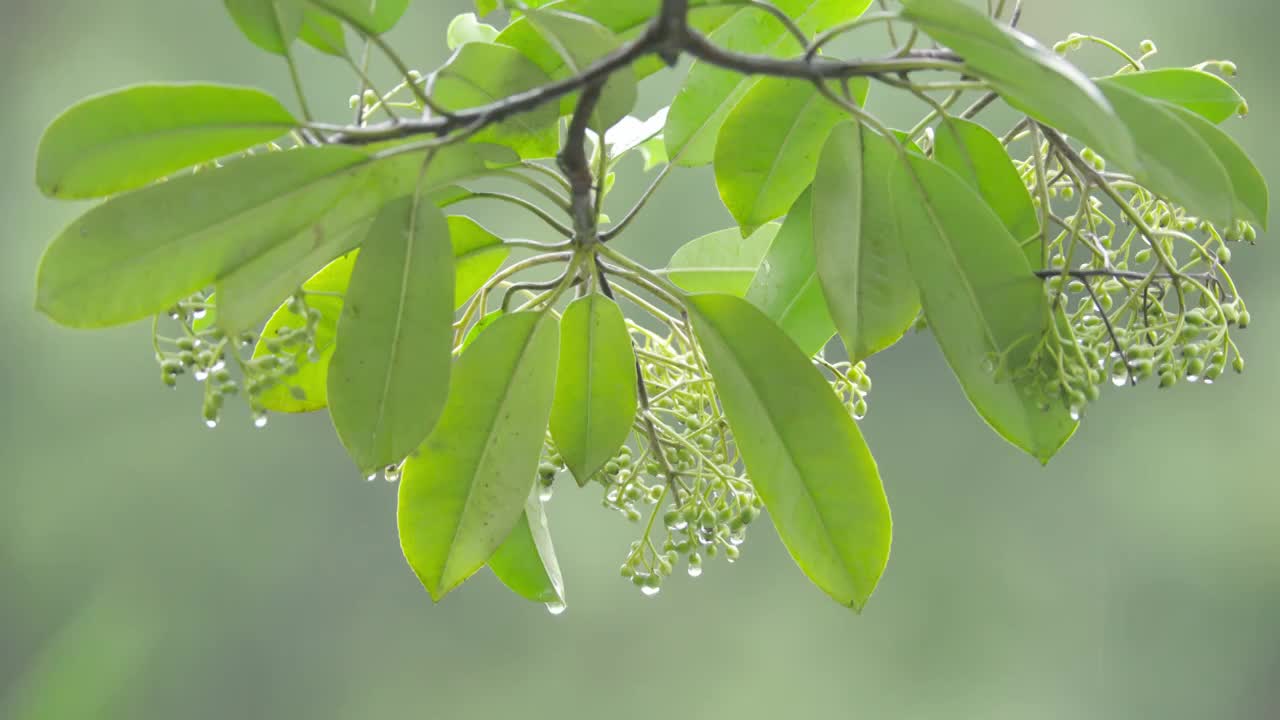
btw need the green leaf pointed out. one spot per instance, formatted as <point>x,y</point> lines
<point>1251,196</point>
<point>464,491</point>
<point>254,289</point>
<point>722,262</point>
<point>389,375</point>
<point>370,16</point>
<point>984,305</point>
<point>978,157</point>
<point>595,401</point>
<point>477,254</point>
<point>1028,76</point>
<point>526,561</point>
<point>467,28</point>
<point>324,33</point>
<point>868,287</point>
<point>128,138</point>
<point>270,24</point>
<point>768,148</point>
<point>1174,161</point>
<point>484,7</point>
<point>580,42</point>
<point>786,287</point>
<point>308,390</point>
<point>139,253</point>
<point>710,93</point>
<point>803,451</point>
<point>479,74</point>
<point>1203,93</point>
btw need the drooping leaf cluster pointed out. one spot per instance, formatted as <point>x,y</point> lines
<point>309,265</point>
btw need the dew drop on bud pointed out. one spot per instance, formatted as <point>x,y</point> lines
<point>212,424</point>
<point>201,375</point>
<point>260,420</point>
<point>372,477</point>
<point>199,314</point>
<point>391,473</point>
<point>695,571</point>
<point>556,608</point>
<point>650,590</point>
<point>1075,414</point>
<point>1120,379</point>
<point>544,493</point>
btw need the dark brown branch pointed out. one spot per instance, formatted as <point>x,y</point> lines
<point>576,166</point>
<point>667,36</point>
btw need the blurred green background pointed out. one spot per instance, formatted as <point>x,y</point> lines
<point>150,568</point>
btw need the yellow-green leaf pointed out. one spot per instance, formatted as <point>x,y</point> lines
<point>803,451</point>
<point>465,490</point>
<point>128,138</point>
<point>595,400</point>
<point>389,375</point>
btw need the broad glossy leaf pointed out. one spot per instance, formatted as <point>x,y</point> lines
<point>1174,160</point>
<point>1251,196</point>
<point>984,306</point>
<point>464,491</point>
<point>270,24</point>
<point>786,287</point>
<point>768,148</point>
<point>972,152</point>
<point>139,253</point>
<point>526,561</point>
<point>1203,93</point>
<point>254,289</point>
<point>868,288</point>
<point>323,32</point>
<point>803,451</point>
<point>477,254</point>
<point>579,42</point>
<point>480,74</point>
<point>1028,76</point>
<point>371,16</point>
<point>389,375</point>
<point>722,262</point>
<point>595,401</point>
<point>709,93</point>
<point>128,138</point>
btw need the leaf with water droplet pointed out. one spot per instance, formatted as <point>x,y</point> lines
<point>464,491</point>
<point>526,561</point>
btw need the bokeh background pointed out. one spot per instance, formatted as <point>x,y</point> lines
<point>150,568</point>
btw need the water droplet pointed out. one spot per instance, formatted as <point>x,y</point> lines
<point>556,608</point>
<point>1193,378</point>
<point>545,493</point>
<point>1208,381</point>
<point>218,366</point>
<point>1120,379</point>
<point>1075,414</point>
<point>260,420</point>
<point>695,571</point>
<point>679,525</point>
<point>737,538</point>
<point>201,375</point>
<point>372,477</point>
<point>650,590</point>
<point>199,314</point>
<point>391,473</point>
<point>211,424</point>
<point>313,354</point>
